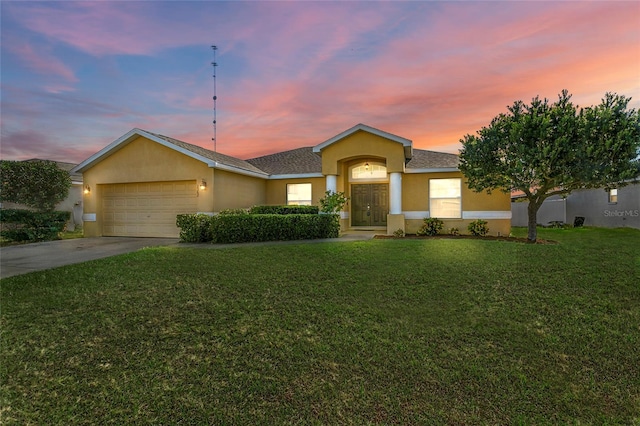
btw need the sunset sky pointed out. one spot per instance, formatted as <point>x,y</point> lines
<point>77,76</point>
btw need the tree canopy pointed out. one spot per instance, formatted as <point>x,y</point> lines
<point>544,149</point>
<point>40,184</point>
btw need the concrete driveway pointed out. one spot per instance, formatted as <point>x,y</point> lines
<point>17,260</point>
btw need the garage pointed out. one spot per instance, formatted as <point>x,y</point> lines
<point>146,209</point>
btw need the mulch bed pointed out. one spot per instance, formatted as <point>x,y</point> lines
<point>466,237</point>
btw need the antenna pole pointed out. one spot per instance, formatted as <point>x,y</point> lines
<point>215,98</point>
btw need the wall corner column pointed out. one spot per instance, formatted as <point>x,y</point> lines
<point>332,183</point>
<point>395,218</point>
<point>395,193</point>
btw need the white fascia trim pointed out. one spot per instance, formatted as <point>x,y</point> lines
<point>415,214</point>
<point>405,142</point>
<point>433,170</point>
<point>76,182</point>
<point>216,165</point>
<point>104,151</point>
<point>297,176</point>
<point>128,137</point>
<point>487,214</point>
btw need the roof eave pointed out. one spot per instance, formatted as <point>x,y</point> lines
<point>221,166</point>
<point>133,133</point>
<point>126,139</point>
<point>406,143</point>
<point>433,170</point>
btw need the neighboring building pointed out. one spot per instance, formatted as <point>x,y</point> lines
<point>615,208</point>
<point>140,182</point>
<point>73,202</point>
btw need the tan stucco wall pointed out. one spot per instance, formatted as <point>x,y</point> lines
<point>277,190</point>
<point>415,197</point>
<point>234,191</point>
<point>501,227</point>
<point>362,144</point>
<point>142,160</point>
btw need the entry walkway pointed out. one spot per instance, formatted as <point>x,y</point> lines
<point>25,258</point>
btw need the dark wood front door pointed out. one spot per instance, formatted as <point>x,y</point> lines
<point>369,204</point>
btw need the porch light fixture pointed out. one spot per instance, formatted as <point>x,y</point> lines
<point>203,185</point>
<point>87,190</point>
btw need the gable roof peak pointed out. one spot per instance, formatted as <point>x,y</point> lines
<point>406,143</point>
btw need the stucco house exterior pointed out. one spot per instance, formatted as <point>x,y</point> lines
<point>608,208</point>
<point>137,185</point>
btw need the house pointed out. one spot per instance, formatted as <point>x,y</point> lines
<point>609,208</point>
<point>73,202</point>
<point>139,183</point>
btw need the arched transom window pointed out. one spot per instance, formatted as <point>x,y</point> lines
<point>369,170</point>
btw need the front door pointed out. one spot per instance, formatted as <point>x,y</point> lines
<point>369,204</point>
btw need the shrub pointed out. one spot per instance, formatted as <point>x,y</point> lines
<point>333,202</point>
<point>28,225</point>
<point>40,184</point>
<point>454,231</point>
<point>478,228</point>
<point>398,233</point>
<point>557,224</point>
<point>234,211</point>
<point>273,227</point>
<point>432,226</point>
<point>194,228</point>
<point>284,210</point>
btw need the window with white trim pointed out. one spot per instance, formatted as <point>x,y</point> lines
<point>299,194</point>
<point>369,171</point>
<point>613,195</point>
<point>445,198</point>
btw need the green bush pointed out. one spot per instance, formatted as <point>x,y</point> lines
<point>478,228</point>
<point>238,226</point>
<point>234,211</point>
<point>333,202</point>
<point>284,210</point>
<point>273,227</point>
<point>432,226</point>
<point>28,225</point>
<point>194,228</point>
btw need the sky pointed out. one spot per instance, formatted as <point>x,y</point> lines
<point>75,76</point>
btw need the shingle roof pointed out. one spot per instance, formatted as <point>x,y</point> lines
<point>295,161</point>
<point>304,160</point>
<point>215,156</point>
<point>424,159</point>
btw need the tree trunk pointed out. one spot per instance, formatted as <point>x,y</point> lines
<point>532,210</point>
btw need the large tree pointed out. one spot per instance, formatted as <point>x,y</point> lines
<point>40,184</point>
<point>544,149</point>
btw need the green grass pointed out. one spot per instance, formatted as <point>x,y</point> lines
<point>439,331</point>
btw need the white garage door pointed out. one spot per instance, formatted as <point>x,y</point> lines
<point>146,209</point>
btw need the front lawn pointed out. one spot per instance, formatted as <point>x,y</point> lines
<point>438,331</point>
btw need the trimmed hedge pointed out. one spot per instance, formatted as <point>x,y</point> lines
<point>28,225</point>
<point>284,210</point>
<point>194,228</point>
<point>244,228</point>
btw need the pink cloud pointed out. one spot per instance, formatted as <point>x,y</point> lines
<point>41,60</point>
<point>431,72</point>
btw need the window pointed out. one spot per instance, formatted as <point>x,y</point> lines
<point>369,171</point>
<point>613,195</point>
<point>445,198</point>
<point>299,194</point>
